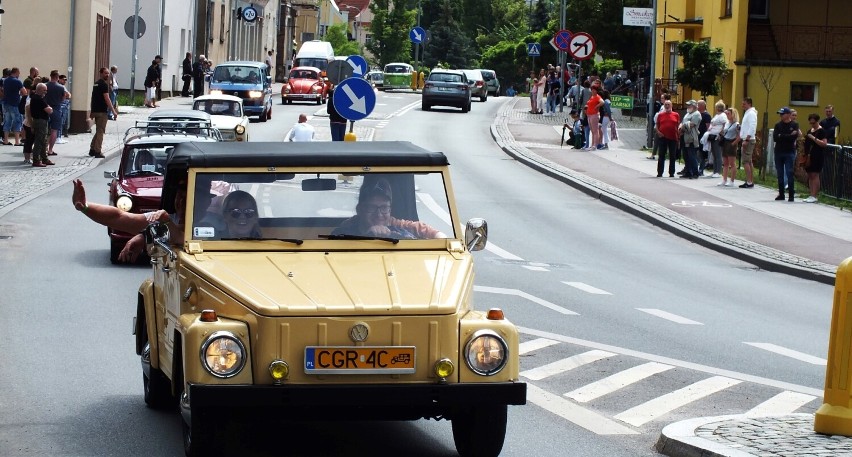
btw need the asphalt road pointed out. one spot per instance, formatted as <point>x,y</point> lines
<point>602,299</point>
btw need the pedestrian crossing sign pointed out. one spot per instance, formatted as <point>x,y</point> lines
<point>533,49</point>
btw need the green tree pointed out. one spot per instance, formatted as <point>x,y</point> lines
<point>448,43</point>
<point>338,37</point>
<point>392,21</point>
<point>603,20</point>
<point>702,67</point>
<point>540,16</point>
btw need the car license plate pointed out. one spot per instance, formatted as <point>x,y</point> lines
<point>445,89</point>
<point>359,359</point>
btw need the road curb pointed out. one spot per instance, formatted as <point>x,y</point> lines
<point>701,234</point>
<point>679,440</point>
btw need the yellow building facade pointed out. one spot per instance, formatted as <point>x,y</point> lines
<point>779,52</point>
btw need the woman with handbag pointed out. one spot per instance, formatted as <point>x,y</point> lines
<point>730,138</point>
<point>717,123</point>
<point>815,142</point>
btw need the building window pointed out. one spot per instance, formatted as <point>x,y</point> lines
<point>211,12</point>
<point>222,25</point>
<point>368,39</point>
<point>806,94</point>
<point>758,9</point>
<point>727,8</point>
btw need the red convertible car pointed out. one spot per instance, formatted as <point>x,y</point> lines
<point>305,84</point>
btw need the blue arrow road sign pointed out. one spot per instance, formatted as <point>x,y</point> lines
<point>358,64</point>
<point>533,49</point>
<point>417,34</point>
<point>354,98</point>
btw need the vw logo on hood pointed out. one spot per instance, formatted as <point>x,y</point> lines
<point>359,332</point>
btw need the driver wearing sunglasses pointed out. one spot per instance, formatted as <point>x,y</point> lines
<point>373,217</point>
<point>240,212</point>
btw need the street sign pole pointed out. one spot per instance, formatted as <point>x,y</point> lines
<point>651,77</point>
<point>563,63</point>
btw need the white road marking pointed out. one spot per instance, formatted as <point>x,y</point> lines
<point>669,316</point>
<point>586,288</point>
<point>784,403</point>
<point>576,414</point>
<point>535,268</point>
<point>789,353</point>
<point>522,294</point>
<point>674,362</point>
<point>664,404</point>
<point>561,366</point>
<point>616,381</point>
<point>534,345</point>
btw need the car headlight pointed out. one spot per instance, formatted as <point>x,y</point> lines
<point>240,130</point>
<point>215,92</point>
<point>285,90</point>
<point>223,354</point>
<point>255,94</point>
<point>486,353</point>
<point>124,203</point>
<point>314,89</point>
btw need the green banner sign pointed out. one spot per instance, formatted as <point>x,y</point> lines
<point>621,101</point>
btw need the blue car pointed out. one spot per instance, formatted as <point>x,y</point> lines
<point>247,80</point>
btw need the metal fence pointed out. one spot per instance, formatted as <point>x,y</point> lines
<point>836,177</point>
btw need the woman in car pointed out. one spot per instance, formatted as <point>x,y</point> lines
<point>240,213</point>
<point>373,217</point>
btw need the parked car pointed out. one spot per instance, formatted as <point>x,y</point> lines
<point>376,78</point>
<point>491,81</point>
<point>446,88</point>
<point>247,80</point>
<point>226,113</point>
<point>477,84</point>
<point>397,76</point>
<point>291,311</point>
<point>138,182</point>
<point>305,84</point>
<point>169,120</point>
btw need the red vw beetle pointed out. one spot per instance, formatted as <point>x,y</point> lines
<point>305,84</point>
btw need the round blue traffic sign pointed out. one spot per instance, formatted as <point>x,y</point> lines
<point>354,98</point>
<point>358,64</point>
<point>417,34</point>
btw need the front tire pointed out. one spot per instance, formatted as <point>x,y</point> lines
<point>196,442</point>
<point>466,108</point>
<point>480,431</point>
<point>157,389</point>
<point>425,107</point>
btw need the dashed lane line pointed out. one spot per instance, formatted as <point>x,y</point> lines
<point>586,418</point>
<point>669,316</point>
<point>784,403</point>
<point>522,294</point>
<point>789,353</point>
<point>586,288</point>
<point>561,366</point>
<point>616,381</point>
<point>664,404</point>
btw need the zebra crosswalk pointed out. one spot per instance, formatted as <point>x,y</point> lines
<point>610,393</point>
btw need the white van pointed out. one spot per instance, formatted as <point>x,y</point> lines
<point>314,53</point>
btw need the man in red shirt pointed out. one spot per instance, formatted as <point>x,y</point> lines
<point>668,136</point>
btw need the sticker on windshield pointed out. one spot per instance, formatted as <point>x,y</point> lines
<point>203,232</point>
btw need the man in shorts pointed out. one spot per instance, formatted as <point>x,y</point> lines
<point>748,129</point>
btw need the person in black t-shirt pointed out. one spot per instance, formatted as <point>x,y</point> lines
<point>785,134</point>
<point>101,105</point>
<point>830,124</point>
<point>40,112</point>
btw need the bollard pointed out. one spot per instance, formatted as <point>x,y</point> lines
<point>834,417</point>
<point>421,80</point>
<point>350,135</point>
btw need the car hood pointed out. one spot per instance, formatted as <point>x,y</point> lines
<point>143,185</point>
<point>302,85</point>
<point>225,122</point>
<point>340,283</point>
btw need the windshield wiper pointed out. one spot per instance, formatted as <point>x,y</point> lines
<point>143,172</point>
<point>286,240</point>
<point>360,237</point>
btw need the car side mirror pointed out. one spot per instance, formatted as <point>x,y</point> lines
<point>476,234</point>
<point>157,241</point>
<point>110,175</point>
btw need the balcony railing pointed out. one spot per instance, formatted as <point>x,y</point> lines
<point>799,43</point>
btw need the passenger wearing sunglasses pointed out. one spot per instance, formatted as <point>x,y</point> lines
<point>240,212</point>
<point>373,217</point>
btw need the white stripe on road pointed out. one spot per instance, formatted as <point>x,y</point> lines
<point>616,381</point>
<point>789,353</point>
<point>669,316</point>
<point>561,366</point>
<point>664,404</point>
<point>535,268</point>
<point>583,417</point>
<point>534,345</point>
<point>586,288</point>
<point>522,294</point>
<point>784,403</point>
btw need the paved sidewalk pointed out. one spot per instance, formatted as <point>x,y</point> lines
<point>803,239</point>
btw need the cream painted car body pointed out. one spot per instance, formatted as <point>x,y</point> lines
<point>226,112</point>
<point>362,322</point>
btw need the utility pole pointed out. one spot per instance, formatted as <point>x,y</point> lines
<point>133,53</point>
<point>651,77</point>
<point>563,63</point>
